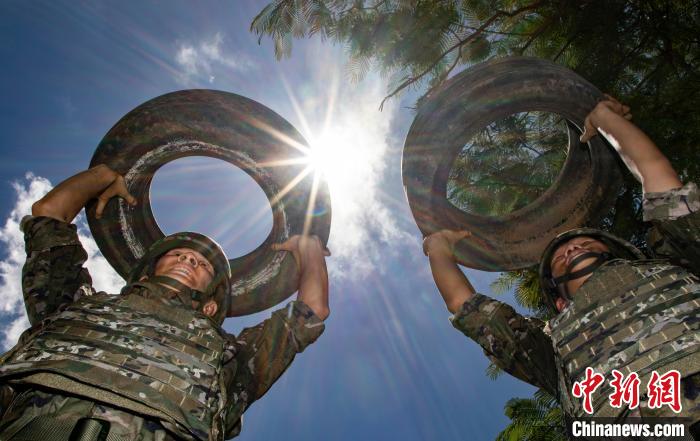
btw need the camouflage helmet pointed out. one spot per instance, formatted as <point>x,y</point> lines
<point>220,287</point>
<point>619,248</point>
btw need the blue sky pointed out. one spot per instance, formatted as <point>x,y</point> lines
<point>389,365</point>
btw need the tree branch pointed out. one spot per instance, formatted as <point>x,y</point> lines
<point>528,147</point>
<point>486,31</point>
<point>536,34</point>
<point>470,38</point>
<point>648,76</point>
<point>632,52</point>
<point>566,45</point>
<point>368,8</point>
<point>454,64</point>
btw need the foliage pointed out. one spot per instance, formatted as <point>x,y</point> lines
<point>620,45</point>
<point>538,418</point>
<point>411,40</point>
<point>523,152</point>
<point>526,285</point>
<point>493,371</point>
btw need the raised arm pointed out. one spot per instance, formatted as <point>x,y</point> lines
<point>265,351</point>
<point>53,273</point>
<point>310,256</point>
<point>453,285</point>
<point>66,200</point>
<point>514,343</point>
<point>639,153</point>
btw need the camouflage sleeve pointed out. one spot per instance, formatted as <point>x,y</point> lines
<point>53,274</point>
<point>671,204</point>
<point>263,353</point>
<point>675,215</point>
<point>516,344</point>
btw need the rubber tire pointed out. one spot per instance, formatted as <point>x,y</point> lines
<point>451,115</point>
<point>220,125</point>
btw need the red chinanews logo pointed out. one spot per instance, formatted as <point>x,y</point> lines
<point>662,390</point>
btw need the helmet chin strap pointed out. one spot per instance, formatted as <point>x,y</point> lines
<point>559,283</point>
<point>182,291</point>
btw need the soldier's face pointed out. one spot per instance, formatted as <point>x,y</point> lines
<point>567,252</point>
<point>187,266</point>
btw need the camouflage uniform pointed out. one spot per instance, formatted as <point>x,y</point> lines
<point>38,378</point>
<point>653,316</point>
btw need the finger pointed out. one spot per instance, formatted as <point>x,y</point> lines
<point>326,252</point>
<point>131,200</point>
<point>427,242</point>
<point>628,116</point>
<point>611,98</point>
<point>456,236</point>
<point>288,245</point>
<point>588,130</point>
<point>612,106</point>
<point>100,207</point>
<point>463,234</point>
<point>128,197</point>
<point>586,135</point>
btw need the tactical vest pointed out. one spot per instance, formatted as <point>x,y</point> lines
<point>162,357</point>
<point>630,316</point>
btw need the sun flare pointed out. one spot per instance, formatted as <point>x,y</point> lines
<point>339,158</point>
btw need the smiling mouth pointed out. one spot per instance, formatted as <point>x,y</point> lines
<point>574,255</point>
<point>182,271</point>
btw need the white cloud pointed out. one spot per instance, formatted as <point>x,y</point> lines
<point>199,62</point>
<point>211,48</point>
<point>187,59</point>
<point>363,227</point>
<point>12,311</point>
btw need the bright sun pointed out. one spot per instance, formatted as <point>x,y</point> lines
<point>326,154</point>
<point>343,161</point>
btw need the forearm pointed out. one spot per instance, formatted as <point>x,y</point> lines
<point>313,283</point>
<point>66,200</point>
<point>637,150</point>
<point>453,285</point>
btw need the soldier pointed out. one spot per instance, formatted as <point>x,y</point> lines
<point>153,362</point>
<point>613,308</point>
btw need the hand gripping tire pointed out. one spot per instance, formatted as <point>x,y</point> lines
<point>219,125</point>
<point>451,115</point>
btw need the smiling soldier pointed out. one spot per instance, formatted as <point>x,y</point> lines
<point>153,362</point>
<point>614,309</point>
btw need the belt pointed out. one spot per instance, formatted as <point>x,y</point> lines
<point>55,429</point>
